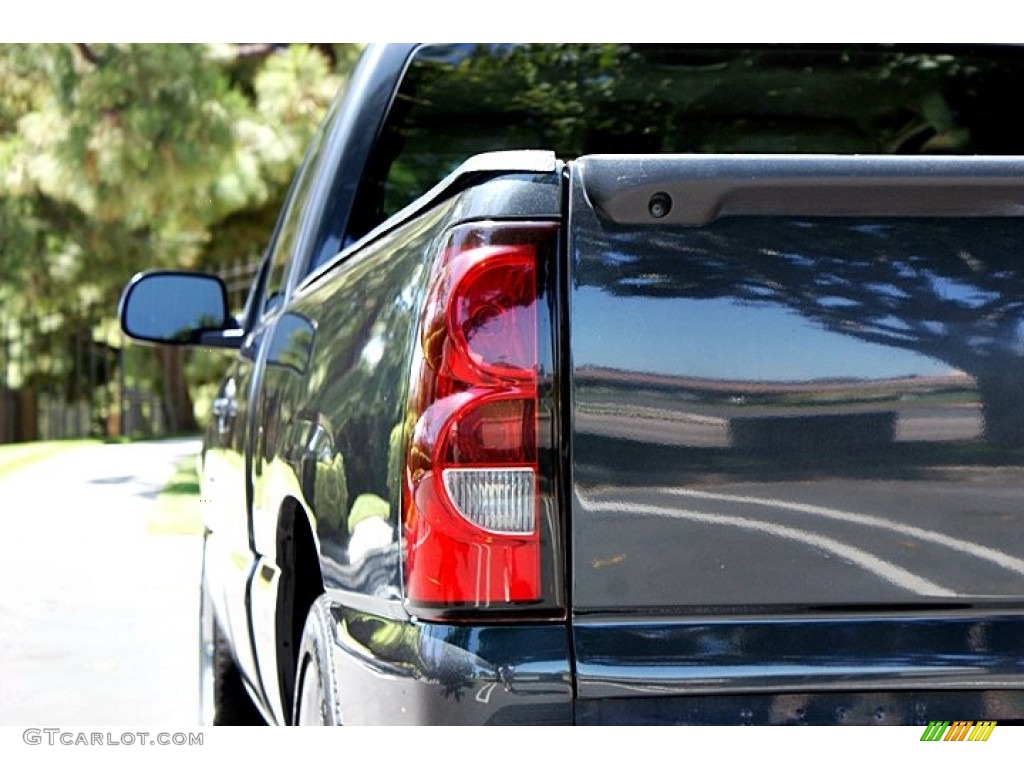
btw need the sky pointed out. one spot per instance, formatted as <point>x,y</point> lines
<point>724,340</point>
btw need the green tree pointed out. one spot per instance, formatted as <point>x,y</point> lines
<point>115,158</point>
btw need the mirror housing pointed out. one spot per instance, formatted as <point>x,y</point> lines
<point>180,308</point>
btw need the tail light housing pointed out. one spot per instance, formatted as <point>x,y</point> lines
<point>479,522</point>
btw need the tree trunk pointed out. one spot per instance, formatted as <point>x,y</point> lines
<point>1002,396</point>
<point>179,413</point>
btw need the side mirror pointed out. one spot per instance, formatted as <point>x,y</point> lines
<point>177,308</point>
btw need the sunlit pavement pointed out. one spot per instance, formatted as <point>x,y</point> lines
<point>97,617</point>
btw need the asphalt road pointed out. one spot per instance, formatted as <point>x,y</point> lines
<point>97,617</point>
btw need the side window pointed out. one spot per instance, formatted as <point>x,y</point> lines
<point>271,286</point>
<point>274,290</point>
<point>267,291</point>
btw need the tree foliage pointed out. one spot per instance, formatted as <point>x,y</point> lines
<point>117,158</point>
<point>950,289</point>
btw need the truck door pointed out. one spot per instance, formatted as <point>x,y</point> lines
<point>227,474</point>
<point>273,330</point>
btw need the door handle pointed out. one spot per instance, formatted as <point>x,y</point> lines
<point>224,410</point>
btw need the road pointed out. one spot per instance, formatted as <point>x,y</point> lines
<point>97,617</point>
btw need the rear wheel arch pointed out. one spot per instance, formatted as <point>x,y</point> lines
<point>301,583</point>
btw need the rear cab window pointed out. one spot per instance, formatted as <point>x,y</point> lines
<point>459,100</point>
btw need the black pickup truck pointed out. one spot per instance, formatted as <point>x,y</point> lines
<point>626,384</point>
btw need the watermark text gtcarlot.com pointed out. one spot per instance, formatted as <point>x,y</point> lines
<point>61,737</point>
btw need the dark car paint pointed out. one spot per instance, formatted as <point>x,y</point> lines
<point>851,707</point>
<point>329,176</point>
<point>311,416</point>
<point>328,429</point>
<point>399,672</point>
<point>624,658</point>
<point>758,528</point>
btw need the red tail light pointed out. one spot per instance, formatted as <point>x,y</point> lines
<point>472,481</point>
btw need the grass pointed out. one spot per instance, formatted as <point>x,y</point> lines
<point>177,506</point>
<point>18,456</point>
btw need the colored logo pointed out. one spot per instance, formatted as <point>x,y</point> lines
<point>958,730</point>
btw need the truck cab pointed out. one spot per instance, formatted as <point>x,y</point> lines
<point>625,384</point>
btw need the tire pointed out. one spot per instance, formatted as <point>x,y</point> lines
<point>315,693</point>
<point>223,699</point>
